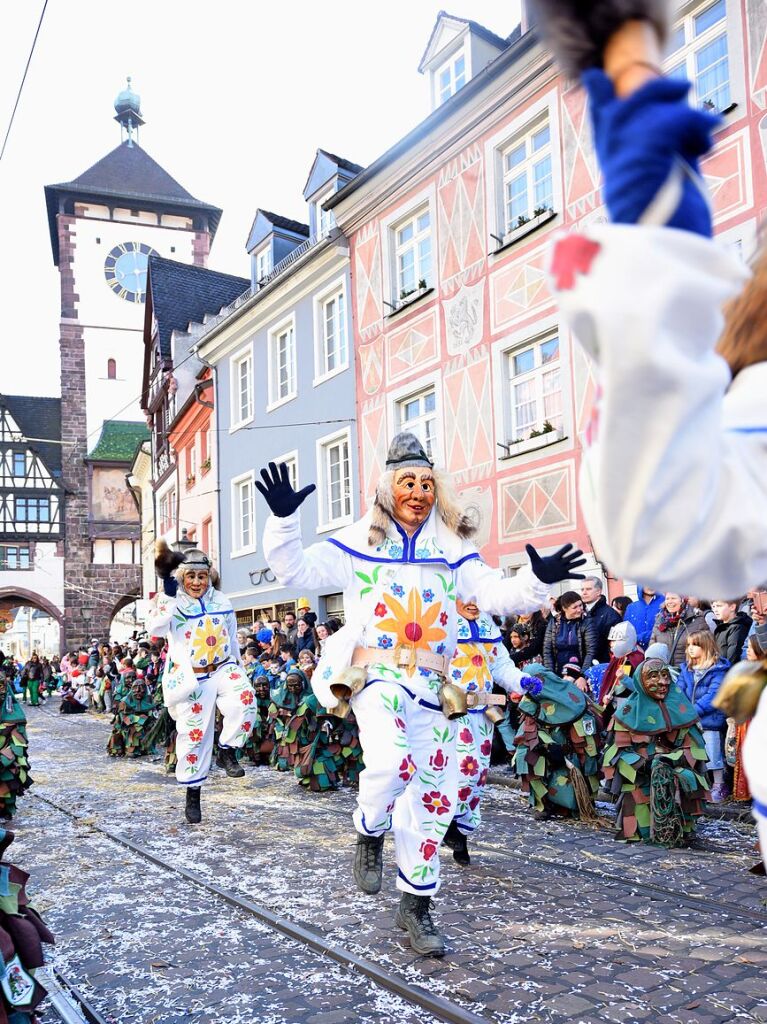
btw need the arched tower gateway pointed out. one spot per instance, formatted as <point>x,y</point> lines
<point>104,224</point>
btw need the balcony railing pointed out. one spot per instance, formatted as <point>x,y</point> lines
<point>273,274</point>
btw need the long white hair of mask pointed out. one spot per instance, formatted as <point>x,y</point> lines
<point>461,520</point>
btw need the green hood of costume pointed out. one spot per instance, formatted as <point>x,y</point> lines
<point>641,713</point>
<point>558,703</point>
<point>283,698</point>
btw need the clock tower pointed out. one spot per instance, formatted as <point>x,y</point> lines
<point>104,224</point>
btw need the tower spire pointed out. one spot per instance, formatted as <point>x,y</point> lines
<point>128,107</point>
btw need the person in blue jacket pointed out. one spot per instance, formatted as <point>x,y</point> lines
<point>700,677</point>
<point>642,614</point>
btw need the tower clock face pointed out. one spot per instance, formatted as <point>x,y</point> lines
<point>125,270</point>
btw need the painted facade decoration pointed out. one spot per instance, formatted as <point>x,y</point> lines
<point>284,364</point>
<point>476,362</point>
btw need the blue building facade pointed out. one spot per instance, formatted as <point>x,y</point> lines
<point>283,360</point>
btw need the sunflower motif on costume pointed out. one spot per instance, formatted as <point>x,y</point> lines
<point>413,627</point>
<point>473,667</point>
<point>210,642</point>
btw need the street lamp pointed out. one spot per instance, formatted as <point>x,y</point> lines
<point>184,544</point>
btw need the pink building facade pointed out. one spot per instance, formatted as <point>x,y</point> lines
<point>456,331</point>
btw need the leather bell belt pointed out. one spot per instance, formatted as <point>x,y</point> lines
<point>409,658</point>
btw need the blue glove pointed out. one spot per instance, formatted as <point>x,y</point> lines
<point>531,685</point>
<point>278,491</point>
<point>170,586</point>
<point>648,146</point>
<point>557,567</point>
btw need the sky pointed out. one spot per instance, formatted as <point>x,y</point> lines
<point>236,96</point>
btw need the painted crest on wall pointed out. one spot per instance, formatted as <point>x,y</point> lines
<point>465,318</point>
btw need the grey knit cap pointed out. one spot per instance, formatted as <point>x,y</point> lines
<point>407,450</point>
<point>195,558</point>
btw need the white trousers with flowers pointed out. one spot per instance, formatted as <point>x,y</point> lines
<point>409,778</point>
<point>473,747</point>
<point>229,689</point>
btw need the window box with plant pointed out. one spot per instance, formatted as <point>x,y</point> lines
<point>205,465</point>
<point>191,480</point>
<point>524,226</point>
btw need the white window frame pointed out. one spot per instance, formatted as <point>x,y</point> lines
<point>449,65</point>
<point>546,108</point>
<point>325,523</point>
<point>685,55</point>
<point>412,217</point>
<point>275,401</point>
<point>258,256</point>
<point>536,375</point>
<point>169,495</point>
<point>335,290</point>
<point>249,479</point>
<point>291,459</point>
<point>532,158</point>
<point>321,215</point>
<point>425,382</point>
<point>426,197</point>
<point>501,351</point>
<point>245,355</point>
<point>418,424</point>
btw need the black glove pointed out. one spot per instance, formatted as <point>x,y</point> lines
<point>279,493</point>
<point>557,567</point>
<point>170,586</point>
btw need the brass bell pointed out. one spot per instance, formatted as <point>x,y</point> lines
<point>739,694</point>
<point>453,701</point>
<point>351,681</point>
<point>494,714</point>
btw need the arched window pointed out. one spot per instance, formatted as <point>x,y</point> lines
<point>111,369</point>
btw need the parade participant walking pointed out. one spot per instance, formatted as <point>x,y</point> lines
<point>401,569</point>
<point>480,660</point>
<point>14,761</point>
<point>203,671</point>
<point>31,679</point>
<point>654,764</point>
<point>556,754</point>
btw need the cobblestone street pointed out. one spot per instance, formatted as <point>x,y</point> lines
<point>552,922</point>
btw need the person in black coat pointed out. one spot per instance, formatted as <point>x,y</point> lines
<point>602,616</point>
<point>304,637</point>
<point>569,635</point>
<point>732,628</point>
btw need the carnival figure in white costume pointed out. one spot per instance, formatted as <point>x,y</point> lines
<point>480,660</point>
<point>401,569</point>
<point>675,324</point>
<point>203,671</point>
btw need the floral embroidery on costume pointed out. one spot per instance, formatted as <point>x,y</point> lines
<point>210,641</point>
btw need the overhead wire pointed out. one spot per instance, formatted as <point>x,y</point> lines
<point>23,79</point>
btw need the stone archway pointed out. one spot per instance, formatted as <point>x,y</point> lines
<point>18,597</point>
<point>104,590</point>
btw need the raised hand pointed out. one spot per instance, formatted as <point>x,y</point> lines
<point>278,491</point>
<point>557,567</point>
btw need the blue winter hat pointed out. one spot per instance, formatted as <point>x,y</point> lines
<point>264,636</point>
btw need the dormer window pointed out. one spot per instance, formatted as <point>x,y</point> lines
<point>324,219</point>
<point>263,260</point>
<point>451,76</point>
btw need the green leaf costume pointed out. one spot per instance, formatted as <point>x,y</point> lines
<point>132,722</point>
<point>556,754</point>
<point>655,766</point>
<point>14,760</point>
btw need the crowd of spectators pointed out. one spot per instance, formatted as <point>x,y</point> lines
<point>700,641</point>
